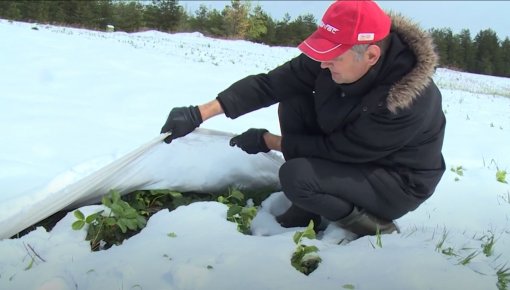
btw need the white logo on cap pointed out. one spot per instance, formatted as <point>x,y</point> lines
<point>328,27</point>
<point>366,36</point>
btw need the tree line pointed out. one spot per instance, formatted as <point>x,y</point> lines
<point>484,53</point>
<point>239,20</point>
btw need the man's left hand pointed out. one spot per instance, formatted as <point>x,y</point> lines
<point>251,141</point>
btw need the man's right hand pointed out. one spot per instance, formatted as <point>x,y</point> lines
<point>181,121</point>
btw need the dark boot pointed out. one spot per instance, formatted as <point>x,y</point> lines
<point>363,223</point>
<point>298,217</point>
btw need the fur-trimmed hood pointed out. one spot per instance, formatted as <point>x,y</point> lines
<point>403,93</point>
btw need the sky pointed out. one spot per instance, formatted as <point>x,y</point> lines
<point>81,113</point>
<point>457,15</point>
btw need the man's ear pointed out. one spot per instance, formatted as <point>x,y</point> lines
<point>373,53</point>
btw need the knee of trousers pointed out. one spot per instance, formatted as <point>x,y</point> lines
<point>295,179</point>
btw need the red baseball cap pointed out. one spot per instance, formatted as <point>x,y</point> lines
<point>345,24</point>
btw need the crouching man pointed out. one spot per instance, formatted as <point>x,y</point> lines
<point>361,121</point>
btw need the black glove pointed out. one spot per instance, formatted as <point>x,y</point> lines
<point>181,121</point>
<point>251,141</point>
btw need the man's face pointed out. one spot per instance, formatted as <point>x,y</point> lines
<point>348,67</point>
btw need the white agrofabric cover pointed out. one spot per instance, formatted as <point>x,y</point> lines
<point>200,162</point>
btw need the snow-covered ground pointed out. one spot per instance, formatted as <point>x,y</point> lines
<point>74,98</point>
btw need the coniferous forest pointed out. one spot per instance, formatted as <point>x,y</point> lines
<point>483,53</point>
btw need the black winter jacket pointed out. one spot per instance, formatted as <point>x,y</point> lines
<point>391,117</point>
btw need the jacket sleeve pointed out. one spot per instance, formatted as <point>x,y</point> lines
<point>293,78</point>
<point>372,136</point>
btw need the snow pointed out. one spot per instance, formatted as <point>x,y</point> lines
<point>74,100</point>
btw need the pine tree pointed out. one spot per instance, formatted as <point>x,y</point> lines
<point>505,57</point>
<point>34,11</point>
<point>87,14</point>
<point>236,23</point>
<point>10,10</point>
<point>56,12</point>
<point>269,36</point>
<point>468,51</point>
<point>456,53</point>
<point>163,15</point>
<point>198,22</point>
<point>301,28</point>
<point>104,13</point>
<point>170,13</point>
<point>258,21</point>
<point>443,38</point>
<point>282,31</point>
<point>215,24</point>
<point>128,16</point>
<point>487,52</point>
<point>70,10</point>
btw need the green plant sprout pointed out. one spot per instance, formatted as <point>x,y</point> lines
<point>468,258</point>
<point>122,214</point>
<point>128,215</point>
<point>440,244</point>
<point>238,211</point>
<point>501,176</point>
<point>122,222</point>
<point>503,275</point>
<point>448,251</point>
<point>378,239</point>
<point>305,258</point>
<point>488,244</point>
<point>459,170</point>
<point>30,264</point>
<point>34,256</point>
<point>82,220</point>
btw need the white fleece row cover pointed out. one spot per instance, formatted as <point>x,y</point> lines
<point>154,165</point>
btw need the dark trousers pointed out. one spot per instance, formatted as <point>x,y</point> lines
<point>330,188</point>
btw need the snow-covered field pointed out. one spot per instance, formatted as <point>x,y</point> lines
<point>74,98</point>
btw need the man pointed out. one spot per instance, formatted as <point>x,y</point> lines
<point>361,120</point>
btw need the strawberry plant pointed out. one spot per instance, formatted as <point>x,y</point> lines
<point>105,230</point>
<point>305,258</point>
<point>128,214</point>
<point>239,211</point>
